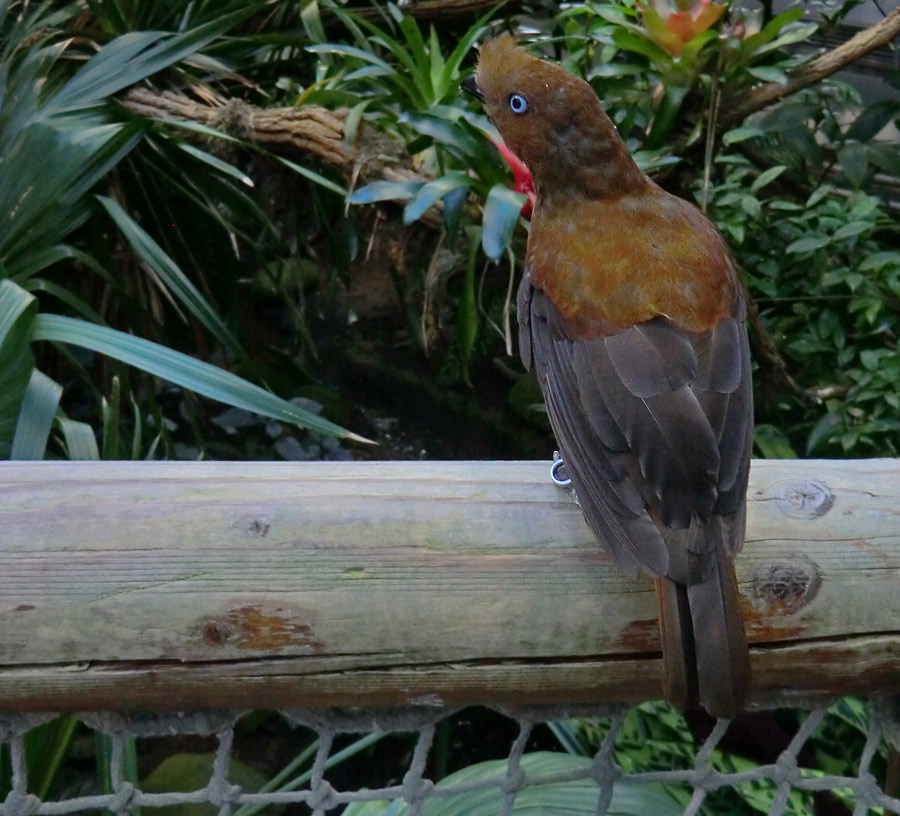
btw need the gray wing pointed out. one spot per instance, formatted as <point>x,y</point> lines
<point>655,426</point>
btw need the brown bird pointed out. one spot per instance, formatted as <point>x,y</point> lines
<point>631,314</point>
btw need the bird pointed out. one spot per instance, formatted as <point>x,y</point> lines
<point>631,313</point>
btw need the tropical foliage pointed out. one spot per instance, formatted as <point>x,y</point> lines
<point>143,264</point>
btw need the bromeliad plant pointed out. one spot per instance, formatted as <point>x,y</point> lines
<point>416,95</point>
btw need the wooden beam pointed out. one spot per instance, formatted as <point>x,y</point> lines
<point>173,585</point>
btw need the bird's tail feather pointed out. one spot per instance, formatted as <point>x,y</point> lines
<point>705,654</point>
<point>679,659</point>
<point>723,661</point>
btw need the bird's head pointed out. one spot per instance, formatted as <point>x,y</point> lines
<point>552,120</point>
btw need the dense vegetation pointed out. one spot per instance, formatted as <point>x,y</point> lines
<point>144,263</point>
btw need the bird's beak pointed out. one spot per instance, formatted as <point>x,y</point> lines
<point>470,86</point>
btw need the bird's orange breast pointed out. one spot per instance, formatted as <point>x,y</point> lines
<point>611,263</point>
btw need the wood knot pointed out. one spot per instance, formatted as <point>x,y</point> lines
<point>789,585</point>
<point>801,499</point>
<point>254,526</point>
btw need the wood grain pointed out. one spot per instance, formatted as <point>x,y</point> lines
<point>170,585</point>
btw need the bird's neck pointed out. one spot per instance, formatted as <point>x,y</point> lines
<point>590,169</point>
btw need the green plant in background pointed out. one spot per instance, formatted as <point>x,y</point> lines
<point>65,127</point>
<point>578,798</point>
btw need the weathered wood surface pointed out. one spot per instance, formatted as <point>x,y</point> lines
<point>192,585</point>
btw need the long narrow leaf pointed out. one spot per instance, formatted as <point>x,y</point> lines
<point>41,215</point>
<point>17,314</point>
<point>39,406</point>
<point>168,272</point>
<point>205,379</point>
<point>80,440</point>
<point>132,57</point>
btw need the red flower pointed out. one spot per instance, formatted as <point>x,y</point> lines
<point>672,27</point>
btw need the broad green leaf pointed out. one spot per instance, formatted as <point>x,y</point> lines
<point>767,177</point>
<point>796,33</point>
<point>630,41</point>
<point>854,161</point>
<point>39,406</point>
<point>579,797</point>
<point>178,368</point>
<point>875,117</point>
<point>666,116</point>
<point>772,443</point>
<point>817,195</point>
<point>822,431</point>
<point>807,244</point>
<point>768,74</point>
<point>788,116</point>
<point>442,131</point>
<point>740,134</point>
<point>42,215</point>
<point>501,214</point>
<point>851,229</point>
<point>431,193</point>
<point>80,440</point>
<point>385,191</point>
<point>168,273</point>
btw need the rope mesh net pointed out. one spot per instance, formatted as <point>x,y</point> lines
<point>511,780</point>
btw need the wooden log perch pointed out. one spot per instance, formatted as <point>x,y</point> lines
<point>174,585</point>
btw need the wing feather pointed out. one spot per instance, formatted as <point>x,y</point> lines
<point>655,426</point>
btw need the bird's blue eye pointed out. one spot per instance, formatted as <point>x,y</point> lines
<point>518,103</point>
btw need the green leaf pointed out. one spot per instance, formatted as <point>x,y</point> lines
<point>216,163</point>
<point>18,310</point>
<point>81,444</point>
<point>871,121</point>
<point>772,443</point>
<point>178,368</point>
<point>578,797</point>
<point>788,116</point>
<point>501,214</point>
<point>767,177</point>
<point>467,312</point>
<point>822,431</point>
<point>854,161</point>
<point>131,58</point>
<point>42,215</point>
<point>817,195</point>
<point>740,134</point>
<point>442,131</point>
<point>39,406</point>
<point>807,244</point>
<point>630,41</point>
<point>168,273</point>
<point>432,192</point>
<point>385,191</point>
<point>351,51</point>
<point>851,229</point>
<point>312,175</point>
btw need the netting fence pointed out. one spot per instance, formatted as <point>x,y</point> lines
<point>523,780</point>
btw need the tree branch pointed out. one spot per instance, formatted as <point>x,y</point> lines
<point>857,46</point>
